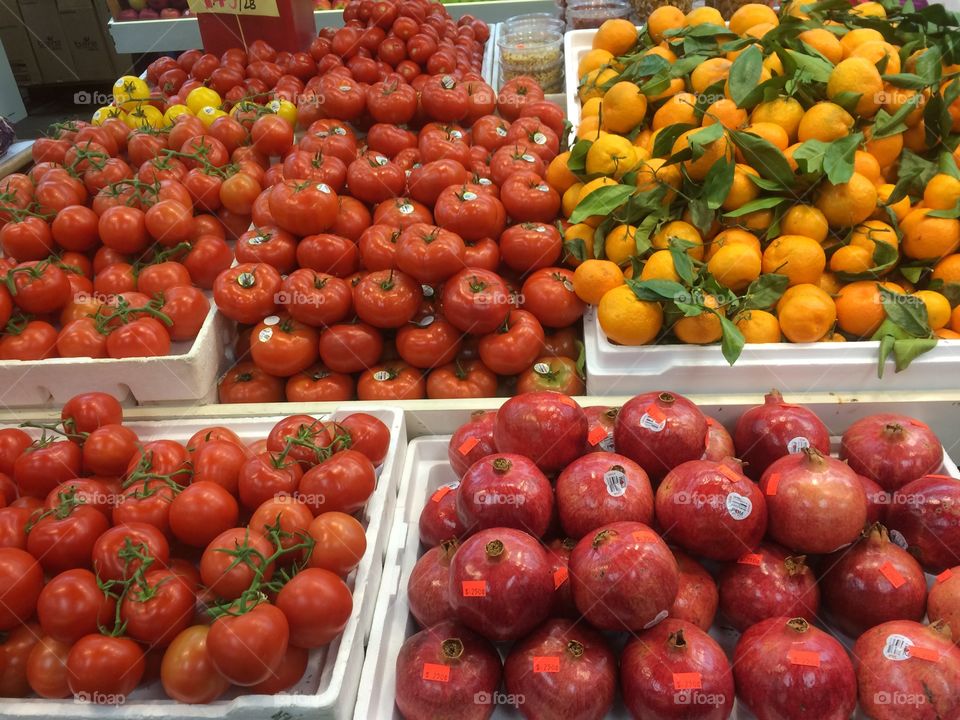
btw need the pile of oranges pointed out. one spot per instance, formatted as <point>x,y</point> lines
<point>761,179</point>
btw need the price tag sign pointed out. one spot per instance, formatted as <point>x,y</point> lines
<point>807,658</point>
<point>892,575</point>
<point>687,681</point>
<point>597,433</point>
<point>924,653</point>
<point>773,484</point>
<point>547,664</point>
<point>467,445</point>
<point>944,576</point>
<point>436,673</point>
<point>751,559</point>
<point>474,588</point>
<point>728,472</point>
<point>262,8</point>
<point>560,576</point>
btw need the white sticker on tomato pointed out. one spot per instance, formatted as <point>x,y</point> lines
<point>648,423</point>
<point>661,616</point>
<point>527,157</point>
<point>271,320</point>
<point>469,196</point>
<point>607,443</point>
<point>339,131</point>
<point>345,88</point>
<point>539,138</point>
<point>265,335</point>
<point>484,181</point>
<point>543,188</point>
<point>501,131</point>
<point>797,444</point>
<point>541,368</point>
<point>380,160</point>
<point>616,481</point>
<point>324,188</point>
<point>567,284</point>
<point>897,538</point>
<point>381,376</point>
<point>456,134</point>
<point>739,506</point>
<point>897,647</point>
<point>405,209</point>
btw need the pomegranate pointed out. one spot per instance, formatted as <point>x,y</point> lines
<point>447,672</point>
<point>505,491</point>
<point>501,584</point>
<point>624,577</point>
<point>927,513</point>
<point>908,670</point>
<point>767,432</point>
<point>660,430</point>
<point>600,422</point>
<point>943,603</point>
<point>472,441</point>
<point>438,519</point>
<point>891,450</point>
<point>697,595</point>
<point>428,590</point>
<point>815,503</point>
<point>601,488</point>
<point>877,500</point>
<point>676,670</point>
<point>873,582</point>
<point>789,670</point>
<point>563,671</point>
<point>559,551</point>
<point>768,583</point>
<point>719,442</point>
<point>711,509</point>
<point>548,427</point>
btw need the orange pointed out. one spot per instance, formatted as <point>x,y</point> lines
<point>704,16</point>
<point>591,108</point>
<point>626,319</point>
<point>665,17</point>
<point>868,166</point>
<point>589,127</point>
<point>786,112</point>
<point>805,220</point>
<point>824,42</point>
<point>756,221</point>
<point>947,334</point>
<point>675,87</point>
<point>860,309</point>
<point>942,192</point>
<point>915,138</point>
<point>571,196</point>
<point>847,203</point>
<point>659,266</point>
<point>938,308</point>
<point>855,38</point>
<point>559,176</point>
<point>875,50</point>
<point>700,329</point>
<point>620,244</point>
<point>824,121</point>
<point>708,72</point>
<point>617,36</point>
<point>594,60</point>
<point>927,238</point>
<point>886,150</point>
<point>611,155</point>
<point>593,278</point>
<point>829,283</point>
<point>800,258</point>
<point>900,208</point>
<point>679,230</point>
<point>743,189</point>
<point>895,98</point>
<point>624,107</point>
<point>869,9</point>
<point>868,233</point>
<point>591,84</point>
<point>735,266</point>
<point>947,270</point>
<point>807,314</point>
<point>746,16</point>
<point>678,109</point>
<point>857,75</point>
<point>771,132</point>
<point>955,319</point>
<point>758,326</point>
<point>663,51</point>
<point>733,236</point>
<point>726,112</point>
<point>712,153</point>
<point>759,30</point>
<point>594,220</point>
<point>578,242</point>
<point>851,259</point>
<point>652,173</point>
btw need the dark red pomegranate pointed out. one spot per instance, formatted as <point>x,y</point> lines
<point>472,441</point>
<point>891,450</point>
<point>789,670</point>
<point>872,583</point>
<point>719,442</point>
<point>676,670</point>
<point>927,513</point>
<point>908,670</point>
<point>878,500</point>
<point>548,427</point>
<point>711,509</point>
<point>697,594</point>
<point>438,519</point>
<point>428,590</point>
<point>447,672</point>
<point>624,577</point>
<point>767,432</point>
<point>943,603</point>
<point>504,490</point>
<point>660,430</point>
<point>815,503</point>
<point>600,422</point>
<point>501,584</point>
<point>559,551</point>
<point>563,671</point>
<point>766,583</point>
<point>601,488</point>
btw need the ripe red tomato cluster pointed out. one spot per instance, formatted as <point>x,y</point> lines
<point>119,554</point>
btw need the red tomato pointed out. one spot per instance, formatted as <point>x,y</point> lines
<point>246,649</point>
<point>109,449</point>
<point>429,343</point>
<point>265,476</point>
<point>283,346</point>
<point>39,287</point>
<point>481,101</point>
<point>512,348</point>
<point>516,93</point>
<point>219,461</point>
<point>270,245</point>
<point>352,218</point>
<point>343,482</point>
<point>476,301</point>
<point>391,381</point>
<point>22,580</point>
<point>539,138</point>
<point>13,441</point>
<point>74,228</point>
<point>428,253</point>
<point>303,208</point>
<point>36,341</point>
<point>201,512</point>
<point>209,255</point>
<point>15,651</point>
<point>105,667</point>
<point>153,280</point>
<point>272,135</point>
<point>461,379</point>
<point>247,292</point>
<point>124,229</point>
<point>386,298</point>
<point>187,672</point>
<point>27,239</point>
<point>239,191</point>
<point>528,198</point>
<point>325,168</point>
<point>317,384</point>
<point>470,215</point>
<point>514,158</point>
<point>448,144</point>
<point>373,178</point>
<point>548,294</point>
<point>317,605</point>
<point>144,337</point>
<point>64,538</point>
<point>72,605</point>
<point>427,181</point>
<point>246,383</point>
<point>531,246</point>
<point>368,435</point>
<point>350,347</point>
<point>315,299</point>
<point>328,253</point>
<point>550,114</point>
<point>47,668</point>
<point>552,373</point>
<point>393,102</point>
<point>188,308</point>
<point>41,467</point>
<point>225,578</point>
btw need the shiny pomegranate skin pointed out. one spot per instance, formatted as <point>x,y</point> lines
<point>438,519</point>
<point>600,418</point>
<point>872,583</point>
<point>895,684</point>
<point>719,442</point>
<point>767,432</point>
<point>767,583</point>
<point>624,577</point>
<point>815,503</point>
<point>697,596</point>
<point>878,500</point>
<point>501,584</point>
<point>559,551</point>
<point>786,669</point>
<point>892,450</point>
<point>472,441</point>
<point>503,490</point>
<point>601,488</point>
<point>428,590</point>
<point>548,427</point>
<point>580,686</point>
<point>652,662</point>
<point>660,430</point>
<point>943,602</point>
<point>927,513</point>
<point>466,666</point>
<point>711,509</point>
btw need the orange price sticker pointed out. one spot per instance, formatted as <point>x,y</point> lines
<point>728,472</point>
<point>807,658</point>
<point>751,559</point>
<point>474,588</point>
<point>546,664</point>
<point>687,681</point>
<point>436,673</point>
<point>773,484</point>
<point>941,477</point>
<point>596,435</point>
<point>924,653</point>
<point>467,445</point>
<point>945,575</point>
<point>560,576</point>
<point>655,413</point>
<point>892,575</point>
<point>644,535</point>
<point>440,493</point>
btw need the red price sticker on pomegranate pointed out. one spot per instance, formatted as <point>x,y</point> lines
<point>892,575</point>
<point>773,484</point>
<point>924,653</point>
<point>440,492</point>
<point>436,673</point>
<point>597,434</point>
<point>655,413</point>
<point>728,472</point>
<point>944,576</point>
<point>644,536</point>
<point>474,588</point>
<point>687,681</point>
<point>467,445</point>
<point>546,664</point>
<point>751,559</point>
<point>807,658</point>
<point>560,576</point>
<point>941,477</point>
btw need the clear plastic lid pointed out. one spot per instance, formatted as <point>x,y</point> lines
<point>534,21</point>
<point>582,14</point>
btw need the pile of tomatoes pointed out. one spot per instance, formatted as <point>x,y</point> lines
<point>209,564</point>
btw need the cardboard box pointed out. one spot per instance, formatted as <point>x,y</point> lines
<point>122,62</point>
<point>10,15</point>
<point>49,41</point>
<point>19,51</point>
<point>88,47</point>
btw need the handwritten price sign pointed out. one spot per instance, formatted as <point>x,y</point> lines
<point>265,8</point>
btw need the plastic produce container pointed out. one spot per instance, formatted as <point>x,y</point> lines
<point>586,14</point>
<point>532,51</point>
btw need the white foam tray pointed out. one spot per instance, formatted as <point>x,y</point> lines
<point>575,44</point>
<point>426,469</point>
<point>328,689</point>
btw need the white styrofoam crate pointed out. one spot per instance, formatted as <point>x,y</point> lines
<point>576,43</point>
<point>328,689</point>
<point>426,469</point>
